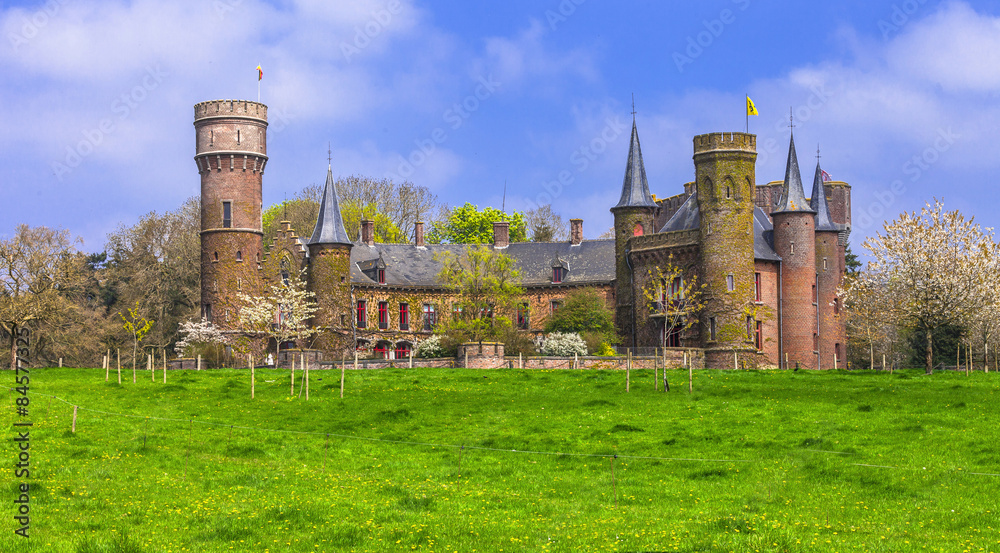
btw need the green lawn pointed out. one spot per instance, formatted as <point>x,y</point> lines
<point>752,461</point>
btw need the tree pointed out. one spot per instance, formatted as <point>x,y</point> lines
<point>282,313</point>
<point>673,297</point>
<point>868,312</point>
<point>36,264</point>
<point>156,265</point>
<point>544,225</point>
<point>386,231</point>
<point>852,266</point>
<point>485,285</point>
<point>938,267</point>
<point>468,225</point>
<point>584,311</point>
<point>302,212</point>
<point>137,327</point>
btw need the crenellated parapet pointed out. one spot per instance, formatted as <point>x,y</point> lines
<point>725,141</point>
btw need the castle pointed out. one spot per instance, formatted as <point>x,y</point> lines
<point>768,259</point>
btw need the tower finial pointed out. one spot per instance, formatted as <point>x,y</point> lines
<point>503,202</point>
<point>817,153</point>
<point>329,155</point>
<point>633,107</point>
<point>791,118</point>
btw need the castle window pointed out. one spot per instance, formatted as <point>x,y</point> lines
<point>824,263</point>
<point>815,342</point>
<point>727,192</point>
<point>382,349</point>
<point>554,306</point>
<point>211,138</point>
<point>362,313</point>
<point>730,283</point>
<point>237,136</point>
<point>791,248</point>
<point>677,288</point>
<point>403,350</point>
<point>637,230</point>
<point>208,312</point>
<point>227,214</point>
<point>258,257</point>
<point>756,287</point>
<point>523,316</point>
<point>814,295</point>
<point>404,316</point>
<point>673,337</point>
<point>239,256</point>
<point>342,279</point>
<point>708,230</point>
<point>836,306</point>
<point>759,336</point>
<point>381,276</point>
<point>215,256</point>
<point>383,315</point>
<point>239,284</point>
<point>430,318</point>
<point>750,328</point>
<point>343,320</point>
<point>558,274</point>
<point>711,329</point>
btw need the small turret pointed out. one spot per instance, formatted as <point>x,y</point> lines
<point>829,277</point>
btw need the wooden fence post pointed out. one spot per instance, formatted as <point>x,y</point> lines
<point>253,375</point>
<point>74,419</point>
<point>628,371</point>
<point>164,365</point>
<point>306,364</point>
<point>199,362</point>
<point>107,369</point>
<point>119,366</point>
<point>292,386</point>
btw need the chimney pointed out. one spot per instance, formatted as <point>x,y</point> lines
<point>575,231</point>
<point>418,234</point>
<point>501,235</point>
<point>368,231</point>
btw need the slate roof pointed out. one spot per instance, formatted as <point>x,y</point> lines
<point>329,225</point>
<point>818,202</point>
<point>793,197</point>
<point>688,217</point>
<point>593,261</point>
<point>635,188</point>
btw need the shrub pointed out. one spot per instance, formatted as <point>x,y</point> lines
<point>605,350</point>
<point>564,344</point>
<point>431,347</point>
<point>586,312</point>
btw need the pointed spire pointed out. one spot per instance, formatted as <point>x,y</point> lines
<point>329,224</point>
<point>818,203</point>
<point>793,197</point>
<point>635,189</point>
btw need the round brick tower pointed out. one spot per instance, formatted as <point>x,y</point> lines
<point>725,183</point>
<point>795,241</point>
<point>231,152</point>
<point>829,277</point>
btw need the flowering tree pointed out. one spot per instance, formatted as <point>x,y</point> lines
<point>202,332</point>
<point>937,266</point>
<point>563,344</point>
<point>282,313</point>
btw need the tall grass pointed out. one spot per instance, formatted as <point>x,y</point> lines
<point>510,460</point>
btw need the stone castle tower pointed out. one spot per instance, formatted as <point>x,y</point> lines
<point>231,152</point>
<point>633,217</point>
<point>330,273</point>
<point>725,186</point>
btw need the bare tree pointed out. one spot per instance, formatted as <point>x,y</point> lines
<point>36,264</point>
<point>544,225</point>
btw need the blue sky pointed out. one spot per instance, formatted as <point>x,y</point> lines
<point>96,103</point>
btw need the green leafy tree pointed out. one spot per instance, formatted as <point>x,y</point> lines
<point>467,225</point>
<point>137,327</point>
<point>852,265</point>
<point>584,311</point>
<point>485,285</point>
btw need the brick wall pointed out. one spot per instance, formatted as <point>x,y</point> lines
<point>794,241</point>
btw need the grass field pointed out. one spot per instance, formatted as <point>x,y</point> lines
<point>752,461</point>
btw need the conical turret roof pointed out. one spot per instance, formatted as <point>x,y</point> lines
<point>635,189</point>
<point>818,203</point>
<point>329,224</point>
<point>793,197</point>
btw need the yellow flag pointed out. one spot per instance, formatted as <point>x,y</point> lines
<point>751,109</point>
<point>260,75</point>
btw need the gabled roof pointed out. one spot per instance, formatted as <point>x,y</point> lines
<point>635,189</point>
<point>687,216</point>
<point>329,225</point>
<point>793,197</point>
<point>818,202</point>
<point>590,262</point>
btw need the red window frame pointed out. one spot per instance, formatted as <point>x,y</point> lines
<point>673,337</point>
<point>362,314</point>
<point>554,306</point>
<point>756,287</point>
<point>380,350</point>
<point>430,318</point>
<point>383,315</point>
<point>523,318</point>
<point>381,276</point>
<point>402,350</point>
<point>759,336</point>
<point>404,316</point>
<point>558,274</point>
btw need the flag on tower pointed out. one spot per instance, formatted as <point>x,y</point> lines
<point>260,74</point>
<point>751,109</point>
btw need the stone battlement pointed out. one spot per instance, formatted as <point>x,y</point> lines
<point>725,141</point>
<point>230,108</point>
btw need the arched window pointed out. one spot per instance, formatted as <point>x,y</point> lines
<point>403,350</point>
<point>239,255</point>
<point>637,230</point>
<point>382,349</point>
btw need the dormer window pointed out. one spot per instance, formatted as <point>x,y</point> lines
<point>381,276</point>
<point>558,274</point>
